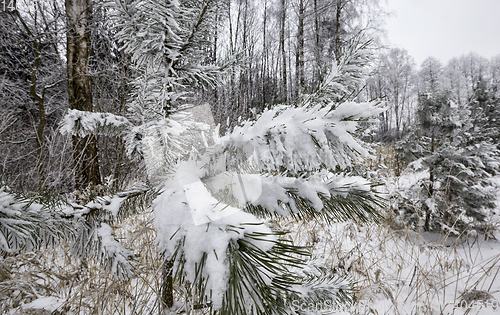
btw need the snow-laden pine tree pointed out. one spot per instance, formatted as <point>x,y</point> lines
<point>216,196</point>
<point>485,108</point>
<point>453,160</point>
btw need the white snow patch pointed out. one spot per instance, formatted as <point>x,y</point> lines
<point>49,303</point>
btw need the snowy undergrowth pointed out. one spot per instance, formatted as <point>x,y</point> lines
<point>51,281</point>
<point>403,272</point>
<point>397,272</point>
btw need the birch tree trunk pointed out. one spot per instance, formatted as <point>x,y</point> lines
<point>79,16</point>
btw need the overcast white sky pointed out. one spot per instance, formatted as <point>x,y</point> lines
<point>445,28</point>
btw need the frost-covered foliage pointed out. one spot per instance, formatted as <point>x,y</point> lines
<point>29,223</point>
<point>147,31</point>
<point>298,152</point>
<point>289,161</point>
<point>214,265</point>
<point>305,139</point>
<point>83,123</point>
<point>26,225</point>
<point>485,108</point>
<point>164,41</point>
<point>458,197</point>
<point>345,78</point>
<point>95,235</point>
<point>455,192</point>
<point>295,156</point>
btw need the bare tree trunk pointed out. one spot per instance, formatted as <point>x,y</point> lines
<point>430,194</point>
<point>232,43</point>
<point>244,86</point>
<point>338,23</point>
<point>290,76</point>
<point>216,37</point>
<point>79,15</point>
<point>41,110</point>
<point>167,290</point>
<point>397,110</point>
<point>214,56</point>
<point>317,48</point>
<point>283,52</point>
<point>299,57</point>
<point>264,56</point>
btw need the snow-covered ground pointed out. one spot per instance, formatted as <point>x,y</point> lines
<point>397,271</point>
<point>403,272</point>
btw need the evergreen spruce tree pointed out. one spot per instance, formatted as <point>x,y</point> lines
<point>458,158</point>
<point>485,108</point>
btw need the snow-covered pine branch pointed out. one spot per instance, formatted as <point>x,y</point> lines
<point>297,154</point>
<point>95,239</point>
<point>157,140</point>
<point>333,198</point>
<point>107,207</point>
<point>165,42</point>
<point>305,139</point>
<point>321,288</point>
<point>95,235</point>
<point>146,30</point>
<point>241,265</point>
<point>27,225</point>
<point>82,123</point>
<point>344,78</point>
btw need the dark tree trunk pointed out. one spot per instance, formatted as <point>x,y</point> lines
<point>430,193</point>
<point>338,23</point>
<point>41,110</point>
<point>167,290</point>
<point>283,52</point>
<point>299,57</point>
<point>317,48</point>
<point>79,15</point>
<point>264,57</point>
